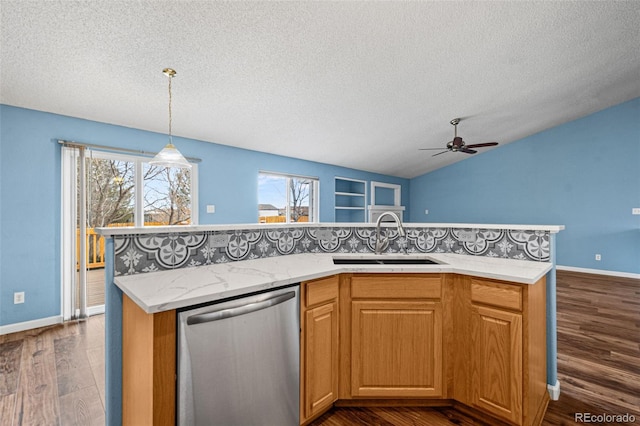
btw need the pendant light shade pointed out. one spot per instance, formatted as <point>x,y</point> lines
<point>170,156</point>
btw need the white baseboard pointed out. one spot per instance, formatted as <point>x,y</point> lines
<point>554,391</point>
<point>92,310</point>
<point>29,325</point>
<point>95,310</point>
<point>44,322</point>
<point>598,272</point>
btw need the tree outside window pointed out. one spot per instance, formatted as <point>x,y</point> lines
<point>166,194</point>
<point>286,198</point>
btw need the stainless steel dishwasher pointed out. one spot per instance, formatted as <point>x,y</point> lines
<point>239,361</point>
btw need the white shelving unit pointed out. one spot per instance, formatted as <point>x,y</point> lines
<point>350,200</point>
<point>385,197</point>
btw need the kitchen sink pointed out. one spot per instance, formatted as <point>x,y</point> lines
<point>383,261</point>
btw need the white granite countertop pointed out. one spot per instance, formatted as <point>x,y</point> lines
<point>179,288</point>
<point>131,230</point>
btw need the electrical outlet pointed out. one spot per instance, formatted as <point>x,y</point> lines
<point>467,236</point>
<point>219,240</point>
<point>426,211</point>
<point>211,208</point>
<point>635,210</point>
<point>324,234</point>
<point>598,257</point>
<point>18,297</point>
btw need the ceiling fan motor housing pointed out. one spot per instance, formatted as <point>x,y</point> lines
<point>456,144</point>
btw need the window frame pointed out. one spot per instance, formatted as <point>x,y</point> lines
<point>138,164</point>
<point>397,192</point>
<point>314,195</point>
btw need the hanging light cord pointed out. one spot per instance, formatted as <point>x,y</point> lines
<point>170,156</point>
<point>170,73</point>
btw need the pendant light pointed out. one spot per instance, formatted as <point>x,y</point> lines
<point>170,156</point>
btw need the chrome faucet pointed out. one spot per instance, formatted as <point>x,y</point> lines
<point>383,243</point>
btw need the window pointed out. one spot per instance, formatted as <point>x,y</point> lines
<point>167,195</point>
<point>126,191</point>
<point>287,198</point>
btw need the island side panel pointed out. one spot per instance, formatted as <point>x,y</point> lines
<point>148,365</point>
<point>536,394</point>
<point>552,333</point>
<point>113,340</point>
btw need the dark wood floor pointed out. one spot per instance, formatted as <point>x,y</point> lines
<point>55,375</point>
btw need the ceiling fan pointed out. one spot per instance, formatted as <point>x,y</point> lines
<point>458,145</point>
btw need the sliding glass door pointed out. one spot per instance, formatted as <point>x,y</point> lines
<point>107,190</point>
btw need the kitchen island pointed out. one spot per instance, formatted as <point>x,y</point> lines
<point>180,288</point>
<point>158,292</point>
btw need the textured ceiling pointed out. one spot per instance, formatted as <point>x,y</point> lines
<point>357,84</point>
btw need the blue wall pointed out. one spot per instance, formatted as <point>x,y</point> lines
<point>584,174</point>
<point>30,195</point>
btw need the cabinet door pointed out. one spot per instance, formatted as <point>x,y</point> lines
<point>396,348</point>
<point>496,348</point>
<point>321,352</point>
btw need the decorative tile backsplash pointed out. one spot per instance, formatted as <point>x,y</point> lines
<point>156,252</point>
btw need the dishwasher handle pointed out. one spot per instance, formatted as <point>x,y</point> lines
<point>240,310</point>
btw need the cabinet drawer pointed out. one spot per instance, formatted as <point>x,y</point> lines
<point>322,290</point>
<point>496,294</point>
<point>396,287</point>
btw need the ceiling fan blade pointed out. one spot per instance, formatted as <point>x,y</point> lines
<point>467,151</point>
<point>480,145</point>
<point>427,149</point>
<point>440,153</point>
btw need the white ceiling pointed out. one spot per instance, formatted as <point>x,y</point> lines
<point>357,84</point>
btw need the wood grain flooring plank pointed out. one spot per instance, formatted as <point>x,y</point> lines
<point>75,381</point>
<point>618,380</point>
<point>7,407</point>
<point>69,328</point>
<point>396,416</point>
<point>74,371</point>
<point>598,344</point>
<point>82,408</point>
<point>72,364</point>
<point>563,411</point>
<point>10,355</point>
<point>423,416</point>
<point>97,363</point>
<point>93,337</point>
<point>37,395</point>
<point>614,400</point>
<point>36,400</point>
<point>351,416</point>
<point>622,326</point>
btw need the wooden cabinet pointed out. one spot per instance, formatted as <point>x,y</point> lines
<point>396,336</point>
<point>506,375</point>
<point>319,347</point>
<point>148,366</point>
<point>496,377</point>
<point>404,338</point>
